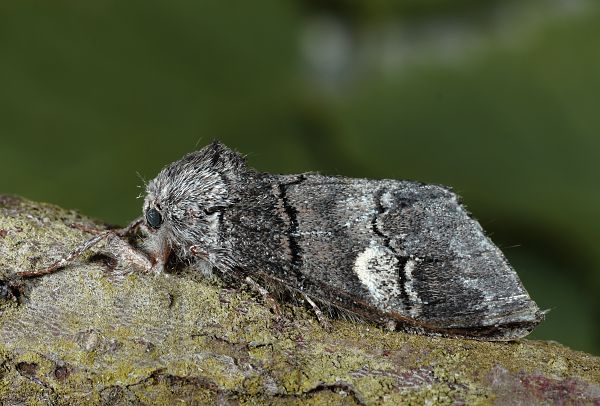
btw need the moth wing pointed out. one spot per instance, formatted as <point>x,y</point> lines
<point>412,252</point>
<point>456,277</point>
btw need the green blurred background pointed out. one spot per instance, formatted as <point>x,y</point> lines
<point>497,99</point>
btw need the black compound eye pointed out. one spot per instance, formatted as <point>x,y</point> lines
<point>153,218</point>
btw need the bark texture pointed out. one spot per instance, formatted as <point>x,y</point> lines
<point>85,336</point>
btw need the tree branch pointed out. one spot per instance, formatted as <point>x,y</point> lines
<point>85,336</point>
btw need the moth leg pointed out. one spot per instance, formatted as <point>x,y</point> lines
<point>126,253</point>
<point>131,229</point>
<point>320,316</point>
<point>145,259</point>
<point>151,261</point>
<point>67,259</point>
<point>267,297</point>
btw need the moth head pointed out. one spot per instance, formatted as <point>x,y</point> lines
<point>185,203</point>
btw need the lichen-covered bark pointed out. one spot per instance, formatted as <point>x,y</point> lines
<point>85,336</point>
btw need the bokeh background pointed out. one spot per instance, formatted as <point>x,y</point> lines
<point>498,99</point>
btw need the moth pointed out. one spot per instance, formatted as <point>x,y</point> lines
<point>393,252</point>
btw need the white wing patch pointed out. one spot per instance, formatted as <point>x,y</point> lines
<point>415,300</point>
<point>376,268</point>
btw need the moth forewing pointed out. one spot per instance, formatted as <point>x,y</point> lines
<point>382,249</point>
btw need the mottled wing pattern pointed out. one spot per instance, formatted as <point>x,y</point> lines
<point>383,249</point>
<point>457,277</point>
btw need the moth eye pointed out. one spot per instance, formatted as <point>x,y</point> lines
<point>153,218</point>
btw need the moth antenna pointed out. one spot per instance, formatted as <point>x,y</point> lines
<point>139,175</point>
<point>145,184</point>
<point>67,259</point>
